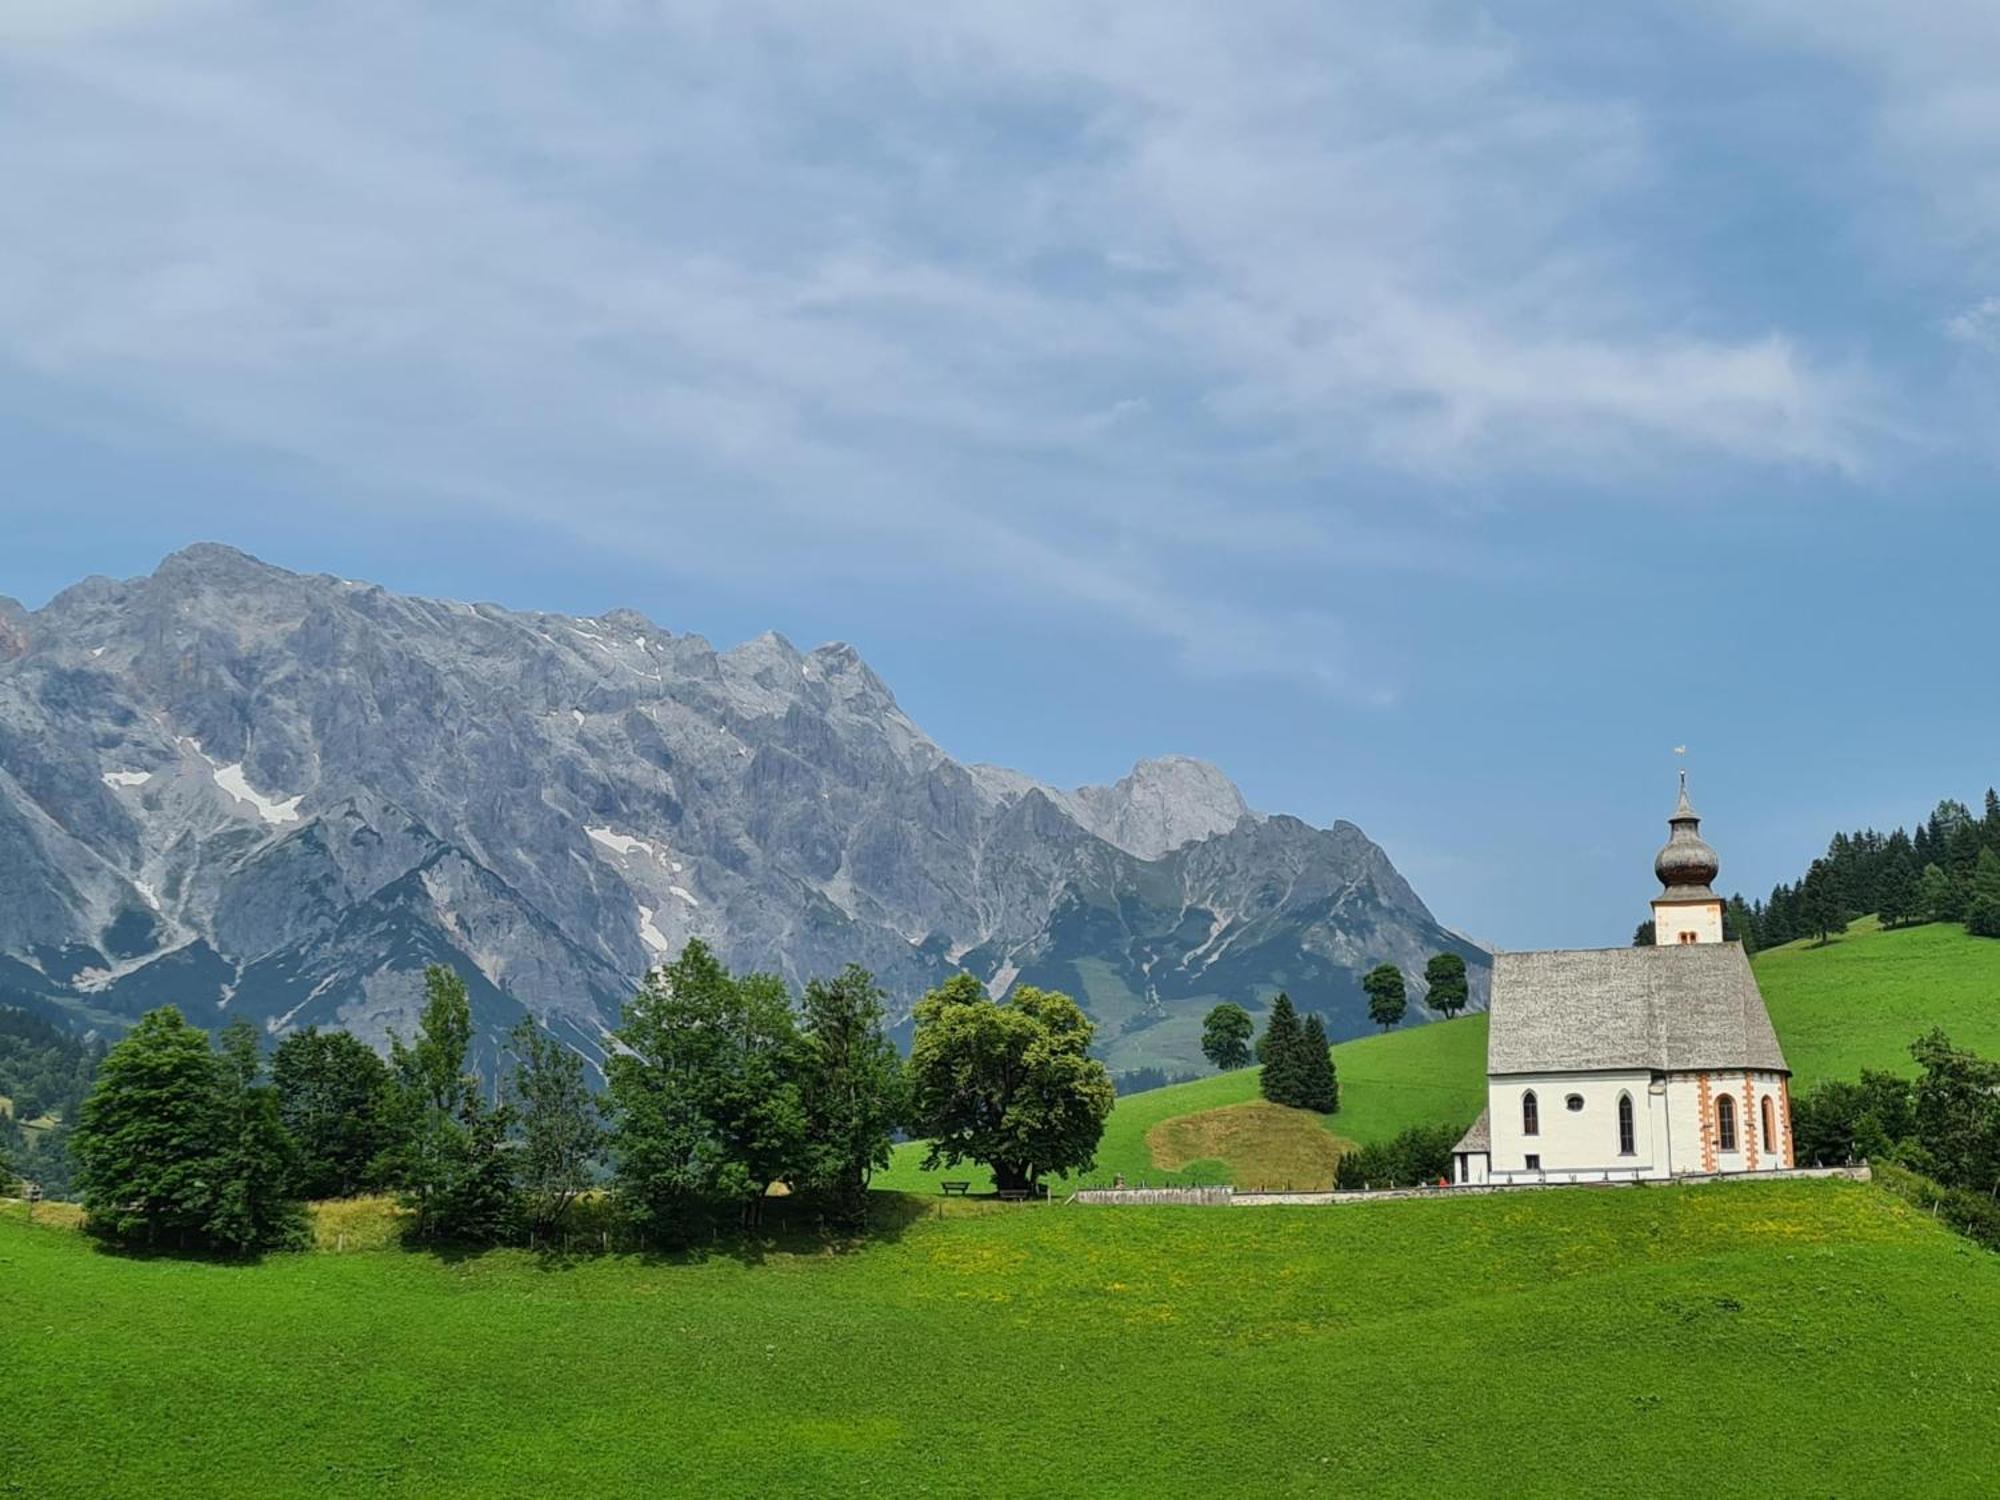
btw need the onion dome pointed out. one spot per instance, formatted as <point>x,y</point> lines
<point>1686,865</point>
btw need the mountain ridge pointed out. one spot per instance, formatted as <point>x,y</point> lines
<point>276,794</point>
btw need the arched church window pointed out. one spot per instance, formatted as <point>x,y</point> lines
<point>1627,1143</point>
<point>1770,1127</point>
<point>1725,1123</point>
<point>1531,1114</point>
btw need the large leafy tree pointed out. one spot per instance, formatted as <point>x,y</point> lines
<point>446,1144</point>
<point>147,1139</point>
<point>559,1130</point>
<point>755,1101</point>
<point>666,1144</point>
<point>1388,998</point>
<point>1011,1084</point>
<point>851,1088</point>
<point>332,1090</point>
<point>256,1161</point>
<point>1448,992</point>
<point>179,1145</point>
<point>1956,1114</point>
<point>703,1093</point>
<point>1225,1036</point>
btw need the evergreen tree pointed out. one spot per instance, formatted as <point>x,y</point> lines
<point>1319,1086</point>
<point>1896,892</point>
<point>1933,894</point>
<point>1280,1079</point>
<point>331,1095</point>
<point>148,1135</point>
<point>558,1123</point>
<point>1225,1036</point>
<point>1646,934</point>
<point>851,1087</point>
<point>1739,924</point>
<point>1961,864</point>
<point>1387,999</point>
<point>1821,907</point>
<point>1982,911</point>
<point>1447,991</point>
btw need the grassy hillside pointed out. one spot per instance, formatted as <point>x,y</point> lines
<point>1856,1003</point>
<point>1575,1342</point>
<point>1860,1001</point>
<point>1387,1083</point>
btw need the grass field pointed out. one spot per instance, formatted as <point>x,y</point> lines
<point>1860,1001</point>
<point>1857,1003</point>
<point>1671,1340</point>
<point>1388,1083</point>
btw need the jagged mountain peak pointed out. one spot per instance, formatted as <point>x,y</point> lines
<point>1162,804</point>
<point>277,795</point>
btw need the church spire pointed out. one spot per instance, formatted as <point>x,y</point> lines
<point>1687,910</point>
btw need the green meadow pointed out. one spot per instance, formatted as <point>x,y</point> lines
<point>1669,1340</point>
<point>1856,1003</point>
<point>1388,1083</point>
<point>1860,1001</point>
<point>1561,1343</point>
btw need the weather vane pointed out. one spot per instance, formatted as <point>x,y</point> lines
<point>1682,750</point>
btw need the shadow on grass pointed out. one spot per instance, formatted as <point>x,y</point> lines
<point>789,1227</point>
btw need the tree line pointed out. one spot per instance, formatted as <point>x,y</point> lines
<point>1946,870</point>
<point>1943,1124</point>
<point>718,1088</point>
<point>45,1072</point>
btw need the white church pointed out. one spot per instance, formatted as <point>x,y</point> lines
<point>1615,1064</point>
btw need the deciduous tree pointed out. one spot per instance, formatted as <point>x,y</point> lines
<point>1011,1084</point>
<point>851,1087</point>
<point>146,1141</point>
<point>1225,1036</point>
<point>1387,997</point>
<point>446,1144</point>
<point>1448,991</point>
<point>332,1090</point>
<point>557,1120</point>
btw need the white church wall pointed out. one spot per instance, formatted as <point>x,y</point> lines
<point>1580,1144</point>
<point>1702,918</point>
<point>1692,1122</point>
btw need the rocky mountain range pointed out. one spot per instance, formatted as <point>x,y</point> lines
<point>256,793</point>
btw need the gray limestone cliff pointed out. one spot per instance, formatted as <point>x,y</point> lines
<point>256,793</point>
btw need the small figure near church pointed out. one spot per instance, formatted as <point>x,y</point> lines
<point>1631,1063</point>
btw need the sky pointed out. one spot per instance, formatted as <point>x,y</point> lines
<point>1432,415</point>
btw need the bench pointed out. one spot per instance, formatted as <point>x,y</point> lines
<point>1012,1195</point>
<point>955,1189</point>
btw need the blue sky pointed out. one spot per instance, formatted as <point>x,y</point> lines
<point>1433,416</point>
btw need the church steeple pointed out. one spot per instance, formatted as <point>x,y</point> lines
<point>1687,910</point>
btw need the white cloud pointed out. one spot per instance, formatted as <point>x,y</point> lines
<point>1078,297</point>
<point>1978,325</point>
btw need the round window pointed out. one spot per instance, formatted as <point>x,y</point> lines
<point>1574,1103</point>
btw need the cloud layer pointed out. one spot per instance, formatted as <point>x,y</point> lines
<point>1144,310</point>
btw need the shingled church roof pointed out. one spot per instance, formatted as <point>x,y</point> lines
<point>1679,1008</point>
